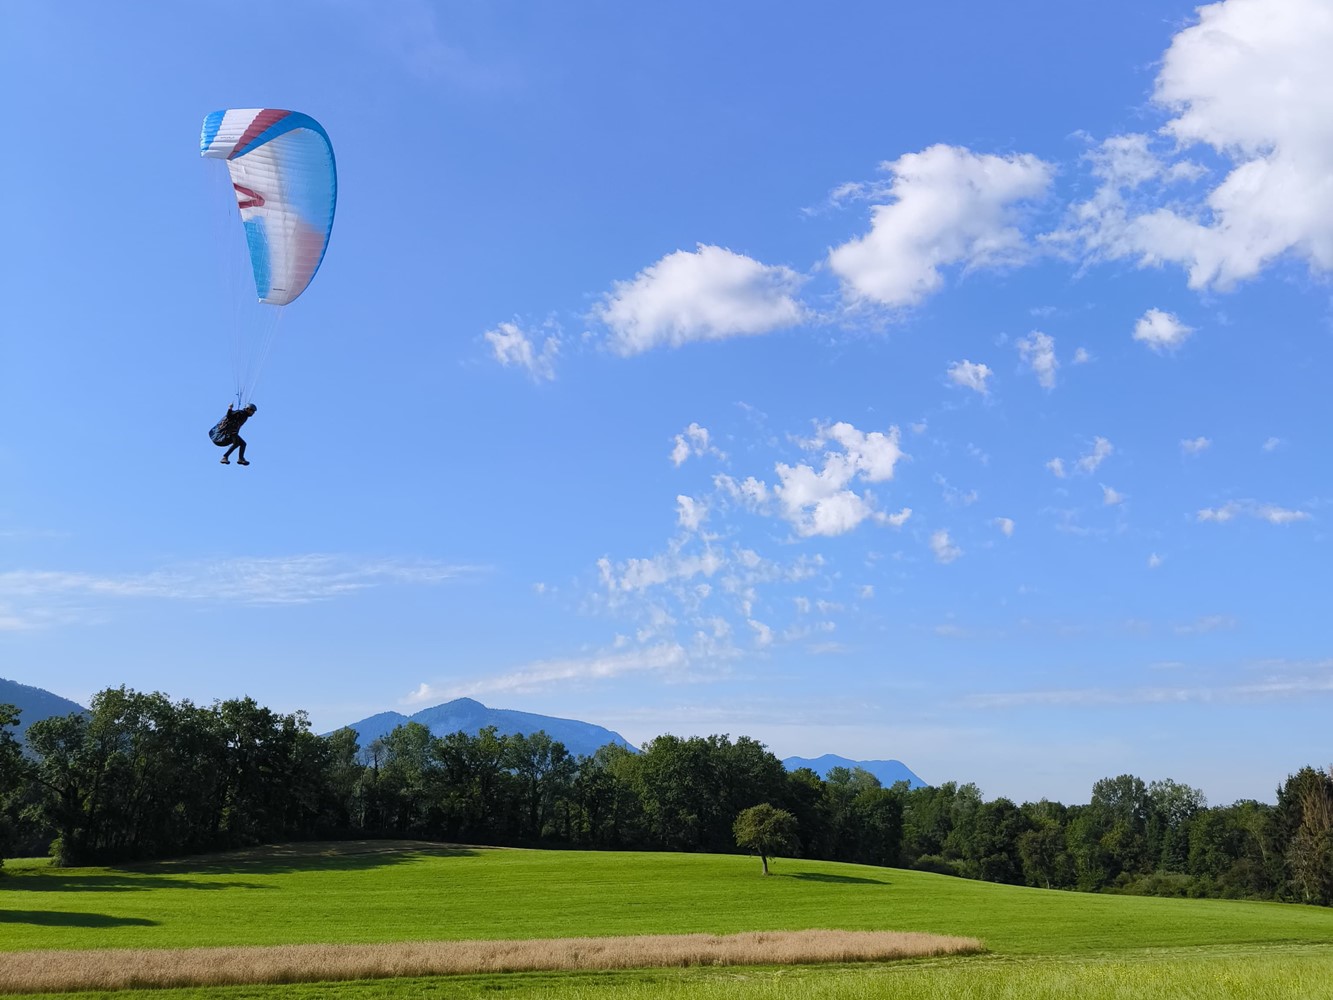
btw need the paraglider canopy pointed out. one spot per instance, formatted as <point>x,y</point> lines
<point>286,183</point>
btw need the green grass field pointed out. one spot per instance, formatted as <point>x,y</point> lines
<point>1040,943</point>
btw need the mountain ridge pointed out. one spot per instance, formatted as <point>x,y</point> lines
<point>889,772</point>
<point>468,715</point>
<point>582,739</point>
<point>34,704</point>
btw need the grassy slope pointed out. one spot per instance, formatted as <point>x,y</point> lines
<point>439,894</point>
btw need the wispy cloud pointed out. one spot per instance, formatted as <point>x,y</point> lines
<point>693,440</point>
<point>36,597</point>
<point>1037,350</point>
<point>542,674</point>
<point>1206,624</point>
<point>1101,450</point>
<point>943,546</point>
<point>1316,678</point>
<point>511,346</point>
<point>1269,512</point>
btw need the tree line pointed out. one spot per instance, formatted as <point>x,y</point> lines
<point>140,776</point>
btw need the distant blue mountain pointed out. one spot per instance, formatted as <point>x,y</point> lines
<point>889,772</point>
<point>34,703</point>
<point>582,739</point>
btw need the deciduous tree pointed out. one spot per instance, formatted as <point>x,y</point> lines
<point>765,830</point>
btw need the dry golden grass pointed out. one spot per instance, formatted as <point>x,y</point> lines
<point>114,969</point>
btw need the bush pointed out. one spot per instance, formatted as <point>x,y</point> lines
<point>939,865</point>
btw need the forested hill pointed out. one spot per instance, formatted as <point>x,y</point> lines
<point>33,703</point>
<point>582,739</point>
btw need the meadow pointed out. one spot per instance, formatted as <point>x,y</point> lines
<point>1038,943</point>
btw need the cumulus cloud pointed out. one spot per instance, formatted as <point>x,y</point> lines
<point>820,501</point>
<point>945,205</point>
<point>1005,524</point>
<point>1195,446</point>
<point>1251,84</point>
<point>1161,331</point>
<point>512,347</point>
<point>1038,352</point>
<point>1111,497</point>
<point>943,546</point>
<point>707,294</point>
<point>970,375</point>
<point>1154,560</point>
<point>1057,467</point>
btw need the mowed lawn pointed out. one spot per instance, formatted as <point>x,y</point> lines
<point>408,892</point>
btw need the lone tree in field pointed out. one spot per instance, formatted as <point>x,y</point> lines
<point>766,830</point>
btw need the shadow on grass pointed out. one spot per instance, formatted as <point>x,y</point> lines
<point>55,880</point>
<point>280,859</point>
<point>55,918</point>
<point>833,879</point>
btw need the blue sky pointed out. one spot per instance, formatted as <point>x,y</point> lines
<point>946,382</point>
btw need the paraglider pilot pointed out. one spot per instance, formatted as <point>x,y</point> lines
<point>225,433</point>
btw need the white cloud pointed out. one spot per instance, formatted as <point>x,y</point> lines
<point>752,492</point>
<point>693,440</point>
<point>945,205</point>
<point>1195,446</point>
<point>1272,444</point>
<point>1317,681</point>
<point>1206,624</point>
<point>708,294</point>
<point>37,598</point>
<point>763,633</point>
<point>1252,82</point>
<point>1154,560</point>
<point>1161,331</point>
<point>1110,497</point>
<point>1005,524</point>
<point>1101,449</point>
<point>943,547</point>
<point>690,513</point>
<point>663,657</point>
<point>641,574</point>
<point>1038,352</point>
<point>952,495</point>
<point>1081,356</point>
<point>970,375</point>
<point>1057,467</point>
<point>1232,509</point>
<point>820,501</point>
<point>511,346</point>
